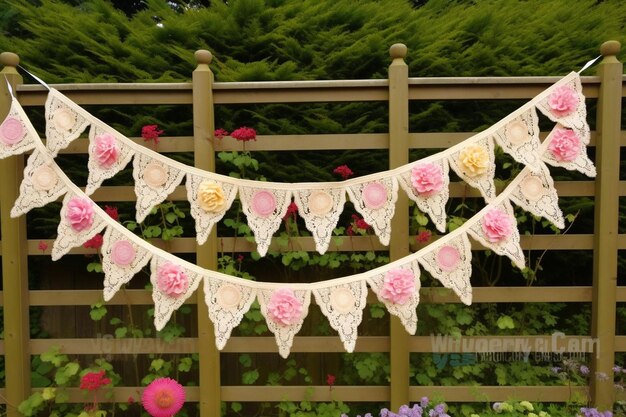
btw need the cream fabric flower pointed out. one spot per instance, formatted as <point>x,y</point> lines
<point>474,160</point>
<point>211,196</point>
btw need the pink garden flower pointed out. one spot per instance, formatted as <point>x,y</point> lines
<point>164,397</point>
<point>172,280</point>
<point>106,150</point>
<point>220,133</point>
<point>151,133</point>
<point>564,145</point>
<point>398,286</point>
<point>79,213</point>
<point>344,171</point>
<point>92,381</point>
<point>497,225</point>
<point>284,307</point>
<point>42,246</point>
<point>563,101</point>
<point>244,134</point>
<point>427,178</point>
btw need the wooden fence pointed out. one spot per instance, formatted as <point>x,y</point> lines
<point>203,94</point>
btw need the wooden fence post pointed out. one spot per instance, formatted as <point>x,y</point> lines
<point>206,254</point>
<point>399,244</point>
<point>14,260</point>
<point>606,224</point>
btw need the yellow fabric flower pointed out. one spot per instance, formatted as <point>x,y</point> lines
<point>474,160</point>
<point>211,196</point>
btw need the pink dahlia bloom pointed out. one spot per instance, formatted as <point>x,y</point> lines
<point>284,307</point>
<point>164,397</point>
<point>79,213</point>
<point>427,178</point>
<point>564,145</point>
<point>106,150</point>
<point>398,286</point>
<point>497,225</point>
<point>172,280</point>
<point>563,101</point>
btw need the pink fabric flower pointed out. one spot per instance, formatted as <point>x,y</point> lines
<point>497,225</point>
<point>427,178</point>
<point>106,150</point>
<point>263,203</point>
<point>79,213</point>
<point>564,145</point>
<point>344,171</point>
<point>375,195</point>
<point>244,134</point>
<point>94,243</point>
<point>563,101</point>
<point>284,307</point>
<point>220,133</point>
<point>398,286</point>
<point>448,258</point>
<point>151,133</point>
<point>123,253</point>
<point>164,397</point>
<point>11,131</point>
<point>172,280</point>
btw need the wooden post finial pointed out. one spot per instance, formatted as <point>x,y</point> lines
<point>610,48</point>
<point>9,59</point>
<point>398,50</point>
<point>203,56</point>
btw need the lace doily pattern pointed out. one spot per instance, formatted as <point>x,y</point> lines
<point>434,205</point>
<point>520,138</point>
<point>213,210</point>
<point>406,312</point>
<point>97,172</point>
<point>284,334</point>
<point>320,210</point>
<point>580,162</point>
<point>536,194</point>
<point>40,186</point>
<point>122,259</point>
<point>227,303</point>
<point>165,305</point>
<point>264,208</point>
<point>450,263</point>
<point>154,181</point>
<point>481,179</point>
<point>508,246</point>
<point>343,305</point>
<point>16,133</point>
<point>67,236</point>
<point>376,202</point>
<point>64,122</point>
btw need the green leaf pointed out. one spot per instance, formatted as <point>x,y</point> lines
<point>250,377</point>
<point>157,364</point>
<point>505,322</point>
<point>236,407</point>
<point>245,360</point>
<point>421,219</point>
<point>98,311</point>
<point>171,217</point>
<point>121,332</point>
<point>185,364</point>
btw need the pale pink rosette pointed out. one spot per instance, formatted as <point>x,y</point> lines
<point>106,150</point>
<point>80,213</point>
<point>398,286</point>
<point>564,145</point>
<point>11,131</point>
<point>563,101</point>
<point>44,178</point>
<point>263,203</point>
<point>375,195</point>
<point>497,225</point>
<point>448,258</point>
<point>284,307</point>
<point>123,253</point>
<point>172,280</point>
<point>427,178</point>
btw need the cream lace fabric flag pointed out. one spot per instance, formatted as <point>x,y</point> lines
<point>65,121</point>
<point>16,133</point>
<point>475,164</point>
<point>108,155</point>
<point>520,138</point>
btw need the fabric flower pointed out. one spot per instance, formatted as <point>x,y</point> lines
<point>344,171</point>
<point>474,160</point>
<point>220,133</point>
<point>172,280</point>
<point>497,225</point>
<point>106,150</point>
<point>11,131</point>
<point>164,397</point>
<point>284,307</point>
<point>79,213</point>
<point>92,381</point>
<point>94,243</point>
<point>244,134</point>
<point>123,253</point>
<point>398,286</point>
<point>151,133</point>
<point>563,101</point>
<point>211,196</point>
<point>112,212</point>
<point>320,203</point>
<point>374,195</point>
<point>44,178</point>
<point>564,145</point>
<point>427,178</point>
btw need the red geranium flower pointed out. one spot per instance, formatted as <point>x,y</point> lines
<point>344,171</point>
<point>94,243</point>
<point>330,379</point>
<point>292,210</point>
<point>112,212</point>
<point>92,381</point>
<point>42,246</point>
<point>220,133</point>
<point>244,134</point>
<point>151,133</point>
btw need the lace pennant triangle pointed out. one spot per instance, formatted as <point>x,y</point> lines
<point>264,208</point>
<point>79,223</point>
<point>209,201</point>
<point>399,290</point>
<point>284,311</point>
<point>427,183</point>
<point>496,229</point>
<point>564,103</point>
<point>121,260</point>
<point>154,181</point>
<point>320,210</point>
<point>475,164</point>
<point>343,305</point>
<point>565,149</point>
<point>108,155</point>
<point>227,303</point>
<point>376,202</point>
<point>450,262</point>
<point>16,133</point>
<point>65,121</point>
<point>520,138</point>
<point>172,284</point>
<point>40,186</point>
<point>536,194</point>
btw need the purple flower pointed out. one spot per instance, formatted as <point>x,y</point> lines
<point>584,370</point>
<point>497,407</point>
<point>424,402</point>
<point>556,369</point>
<point>617,369</point>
